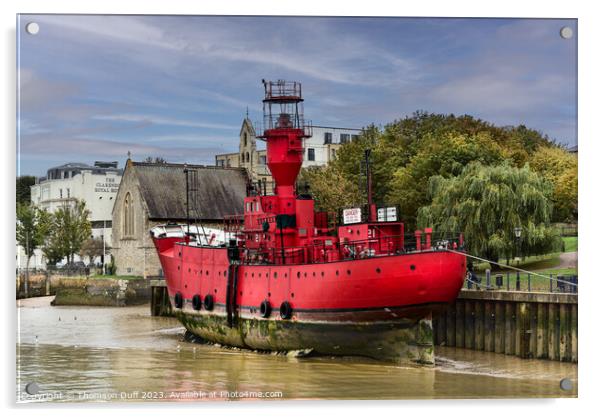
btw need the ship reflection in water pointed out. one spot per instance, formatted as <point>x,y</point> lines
<point>123,354</point>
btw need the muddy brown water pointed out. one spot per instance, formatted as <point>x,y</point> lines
<point>102,354</point>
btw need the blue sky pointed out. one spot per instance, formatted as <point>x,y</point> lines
<point>95,87</point>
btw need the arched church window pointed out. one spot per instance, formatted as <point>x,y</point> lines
<point>128,216</point>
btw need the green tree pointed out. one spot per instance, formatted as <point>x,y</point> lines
<point>445,156</point>
<point>24,184</point>
<point>32,229</point>
<point>94,247</point>
<point>487,203</point>
<point>560,168</point>
<point>331,190</point>
<point>70,229</point>
<point>408,151</point>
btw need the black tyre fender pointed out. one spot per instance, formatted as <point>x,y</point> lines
<point>197,302</point>
<point>265,309</point>
<point>208,303</point>
<point>286,311</point>
<point>178,300</point>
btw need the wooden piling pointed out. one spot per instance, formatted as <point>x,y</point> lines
<point>553,331</point>
<point>510,333</point>
<point>460,323</point>
<point>489,327</point>
<point>450,326</point>
<point>479,325</point>
<point>541,347</point>
<point>528,325</point>
<point>564,333</point>
<point>469,323</point>
<point>574,333</point>
<point>500,327</point>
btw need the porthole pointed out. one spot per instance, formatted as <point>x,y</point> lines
<point>305,274</point>
<point>259,275</point>
<point>337,272</point>
<point>322,273</point>
<point>378,270</point>
<point>252,274</point>
<point>178,267</point>
<point>189,270</point>
<point>412,267</point>
<point>298,274</point>
<point>269,294</point>
<point>292,295</point>
<point>219,273</point>
<point>349,272</point>
<point>225,273</point>
<point>275,275</point>
<point>246,274</point>
<point>215,290</point>
<point>207,272</point>
<point>314,274</point>
<point>285,275</point>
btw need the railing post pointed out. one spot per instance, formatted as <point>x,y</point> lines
<point>507,281</point>
<point>418,235</point>
<point>428,231</point>
<point>488,278</point>
<point>529,282</point>
<point>551,284</point>
<point>517,281</point>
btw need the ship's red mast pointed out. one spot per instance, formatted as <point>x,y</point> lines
<point>284,130</point>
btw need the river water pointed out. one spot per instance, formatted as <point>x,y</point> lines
<point>76,354</point>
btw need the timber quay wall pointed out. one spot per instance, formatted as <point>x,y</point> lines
<point>524,324</point>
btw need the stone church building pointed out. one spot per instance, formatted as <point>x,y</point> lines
<point>151,194</point>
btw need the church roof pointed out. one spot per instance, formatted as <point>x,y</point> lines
<point>220,191</point>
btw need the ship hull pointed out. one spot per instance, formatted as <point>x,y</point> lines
<point>377,307</point>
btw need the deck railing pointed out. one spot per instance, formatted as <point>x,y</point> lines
<point>326,250</point>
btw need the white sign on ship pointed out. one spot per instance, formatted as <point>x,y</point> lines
<point>387,214</point>
<point>352,215</point>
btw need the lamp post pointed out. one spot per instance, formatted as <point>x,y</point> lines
<point>517,234</point>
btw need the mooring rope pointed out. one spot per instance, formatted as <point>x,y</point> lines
<point>513,267</point>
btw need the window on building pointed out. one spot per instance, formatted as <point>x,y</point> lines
<point>262,160</point>
<point>247,156</point>
<point>242,157</point>
<point>327,138</point>
<point>128,215</point>
<point>311,154</point>
<point>344,137</point>
<point>245,138</point>
<point>333,153</point>
<point>68,193</point>
<point>60,193</point>
<point>354,137</point>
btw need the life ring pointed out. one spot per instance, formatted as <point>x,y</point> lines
<point>208,302</point>
<point>265,309</point>
<point>286,311</point>
<point>197,302</point>
<point>178,300</point>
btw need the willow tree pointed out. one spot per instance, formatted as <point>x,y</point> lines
<point>487,203</point>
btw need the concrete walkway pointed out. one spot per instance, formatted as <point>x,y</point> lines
<point>568,260</point>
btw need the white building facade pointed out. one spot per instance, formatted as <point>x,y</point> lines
<point>96,184</point>
<point>322,146</point>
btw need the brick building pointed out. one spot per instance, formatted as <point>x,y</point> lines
<point>151,194</point>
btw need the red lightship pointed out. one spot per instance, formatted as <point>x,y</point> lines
<point>288,279</point>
